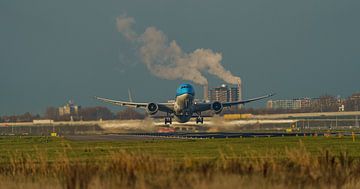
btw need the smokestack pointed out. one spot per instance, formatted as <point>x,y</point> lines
<point>239,85</point>
<point>206,92</point>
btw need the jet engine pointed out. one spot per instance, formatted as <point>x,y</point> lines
<point>217,107</point>
<point>152,108</point>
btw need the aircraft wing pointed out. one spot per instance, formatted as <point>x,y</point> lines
<point>228,104</point>
<point>164,107</point>
<point>199,107</point>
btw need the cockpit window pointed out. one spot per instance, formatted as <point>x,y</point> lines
<point>185,89</point>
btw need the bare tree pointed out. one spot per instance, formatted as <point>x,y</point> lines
<point>52,113</point>
<point>129,113</point>
<point>352,103</point>
<point>96,113</point>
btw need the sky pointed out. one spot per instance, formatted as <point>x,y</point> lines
<point>53,51</point>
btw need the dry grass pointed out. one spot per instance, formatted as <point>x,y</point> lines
<point>123,169</point>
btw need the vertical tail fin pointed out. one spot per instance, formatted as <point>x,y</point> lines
<point>130,96</point>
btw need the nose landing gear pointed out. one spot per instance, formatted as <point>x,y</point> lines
<point>168,120</point>
<point>200,120</point>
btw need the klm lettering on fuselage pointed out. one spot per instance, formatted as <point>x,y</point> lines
<point>184,108</point>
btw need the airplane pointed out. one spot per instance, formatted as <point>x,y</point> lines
<point>184,106</point>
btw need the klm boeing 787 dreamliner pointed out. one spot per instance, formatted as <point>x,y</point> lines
<point>184,106</point>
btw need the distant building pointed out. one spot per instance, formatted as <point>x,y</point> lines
<point>43,121</point>
<point>220,94</point>
<point>224,94</point>
<point>69,109</point>
<point>353,102</point>
<point>355,96</point>
<point>289,104</point>
<point>234,94</point>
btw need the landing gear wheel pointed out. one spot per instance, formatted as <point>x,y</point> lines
<point>168,120</point>
<point>200,120</point>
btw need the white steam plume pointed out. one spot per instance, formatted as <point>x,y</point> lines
<point>167,60</point>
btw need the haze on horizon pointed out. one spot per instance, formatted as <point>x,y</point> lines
<point>55,51</point>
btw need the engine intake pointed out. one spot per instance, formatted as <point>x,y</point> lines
<point>152,108</point>
<point>217,107</point>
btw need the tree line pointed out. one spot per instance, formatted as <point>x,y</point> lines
<point>325,103</point>
<point>85,114</point>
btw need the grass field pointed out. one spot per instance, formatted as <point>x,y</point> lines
<point>283,162</point>
<point>176,149</point>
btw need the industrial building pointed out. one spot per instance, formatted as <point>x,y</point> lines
<point>234,94</point>
<point>293,104</point>
<point>355,97</point>
<point>224,93</point>
<point>220,94</point>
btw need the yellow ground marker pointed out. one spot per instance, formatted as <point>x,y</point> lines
<point>353,136</point>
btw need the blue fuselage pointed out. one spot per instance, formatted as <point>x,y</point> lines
<point>184,101</point>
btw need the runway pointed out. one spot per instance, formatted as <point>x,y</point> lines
<point>186,136</point>
<point>115,137</point>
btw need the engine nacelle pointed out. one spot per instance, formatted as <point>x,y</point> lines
<point>217,107</point>
<point>152,108</point>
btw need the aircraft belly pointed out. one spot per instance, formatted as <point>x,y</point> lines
<point>182,118</point>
